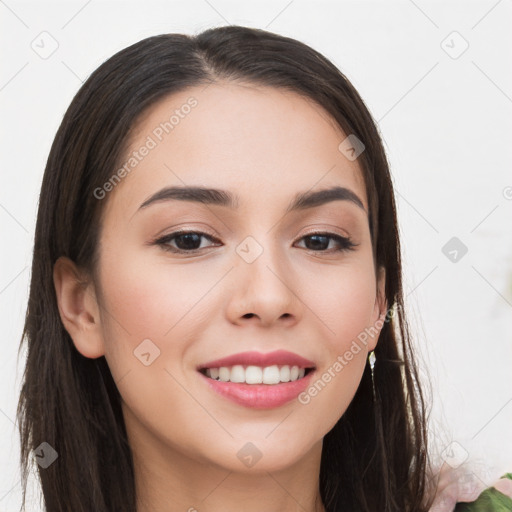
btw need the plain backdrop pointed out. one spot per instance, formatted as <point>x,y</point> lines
<point>436,77</point>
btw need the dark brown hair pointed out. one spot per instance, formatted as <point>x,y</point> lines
<point>375,457</point>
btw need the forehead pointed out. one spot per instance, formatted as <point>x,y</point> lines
<point>257,141</point>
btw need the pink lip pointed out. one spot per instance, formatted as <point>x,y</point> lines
<point>260,396</point>
<point>279,357</point>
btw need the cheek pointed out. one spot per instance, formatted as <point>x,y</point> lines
<point>344,301</point>
<point>153,302</point>
<point>146,300</point>
<point>346,310</point>
<point>151,299</point>
<point>338,377</point>
<point>331,391</point>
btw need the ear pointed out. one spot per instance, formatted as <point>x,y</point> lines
<point>78,308</point>
<point>379,309</point>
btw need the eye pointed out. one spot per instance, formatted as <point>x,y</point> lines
<point>186,241</point>
<point>320,241</point>
<point>189,242</point>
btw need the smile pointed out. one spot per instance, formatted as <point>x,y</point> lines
<point>269,375</point>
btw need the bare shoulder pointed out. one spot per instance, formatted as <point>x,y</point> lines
<point>460,490</point>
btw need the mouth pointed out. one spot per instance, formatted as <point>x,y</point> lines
<point>250,374</point>
<point>259,380</point>
<point>258,387</point>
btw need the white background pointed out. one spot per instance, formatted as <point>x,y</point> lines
<point>447,126</point>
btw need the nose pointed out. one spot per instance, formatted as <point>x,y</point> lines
<point>264,291</point>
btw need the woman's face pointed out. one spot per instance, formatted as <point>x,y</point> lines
<point>257,280</point>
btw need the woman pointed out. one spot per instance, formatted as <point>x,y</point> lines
<point>215,317</point>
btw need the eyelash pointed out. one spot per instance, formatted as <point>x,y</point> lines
<point>345,243</point>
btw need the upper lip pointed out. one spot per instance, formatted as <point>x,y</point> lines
<point>278,357</point>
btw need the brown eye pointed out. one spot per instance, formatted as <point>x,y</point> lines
<point>319,242</point>
<point>185,241</point>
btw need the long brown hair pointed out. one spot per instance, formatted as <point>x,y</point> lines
<point>375,457</point>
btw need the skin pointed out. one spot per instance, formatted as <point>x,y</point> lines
<point>460,484</point>
<point>264,145</point>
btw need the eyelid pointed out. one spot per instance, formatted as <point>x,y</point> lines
<point>323,228</point>
<point>324,231</point>
<point>161,240</point>
<point>193,229</point>
<point>344,241</point>
<point>349,244</point>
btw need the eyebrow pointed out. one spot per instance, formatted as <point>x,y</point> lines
<point>213,196</point>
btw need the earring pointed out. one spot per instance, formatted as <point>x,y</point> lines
<point>371,359</point>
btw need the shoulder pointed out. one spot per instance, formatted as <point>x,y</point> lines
<point>497,498</point>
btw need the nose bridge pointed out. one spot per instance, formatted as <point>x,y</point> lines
<point>262,259</point>
<point>263,286</point>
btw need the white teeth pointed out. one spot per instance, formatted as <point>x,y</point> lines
<point>237,374</point>
<point>256,374</point>
<point>253,375</point>
<point>224,374</point>
<point>284,374</point>
<point>271,375</point>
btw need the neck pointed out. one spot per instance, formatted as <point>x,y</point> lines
<point>225,491</point>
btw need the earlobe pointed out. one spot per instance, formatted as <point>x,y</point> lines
<point>78,308</point>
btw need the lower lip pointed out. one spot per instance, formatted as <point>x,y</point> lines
<point>260,396</point>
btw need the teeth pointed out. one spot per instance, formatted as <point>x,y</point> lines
<point>224,374</point>
<point>255,374</point>
<point>237,374</point>
<point>271,375</point>
<point>284,374</point>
